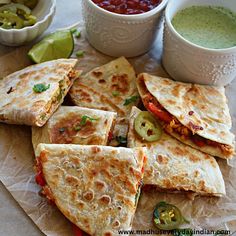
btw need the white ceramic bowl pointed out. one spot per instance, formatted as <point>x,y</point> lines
<point>44,11</point>
<point>188,62</point>
<point>121,35</point>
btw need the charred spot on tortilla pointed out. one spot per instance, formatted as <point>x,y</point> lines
<point>97,74</point>
<point>102,81</point>
<point>10,90</point>
<point>121,83</point>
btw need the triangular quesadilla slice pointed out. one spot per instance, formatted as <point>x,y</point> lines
<point>173,166</point>
<point>30,96</point>
<point>197,115</point>
<point>95,187</point>
<point>110,87</point>
<point>75,125</point>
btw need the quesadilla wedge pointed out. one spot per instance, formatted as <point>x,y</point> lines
<point>95,187</point>
<point>30,96</point>
<point>75,125</point>
<point>111,87</point>
<point>197,115</point>
<point>173,166</point>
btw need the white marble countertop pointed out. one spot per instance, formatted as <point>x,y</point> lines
<point>13,220</point>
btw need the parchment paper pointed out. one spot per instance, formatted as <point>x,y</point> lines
<point>16,160</point>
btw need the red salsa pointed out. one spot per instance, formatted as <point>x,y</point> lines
<point>127,7</point>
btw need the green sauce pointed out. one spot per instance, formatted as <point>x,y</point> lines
<point>207,26</point>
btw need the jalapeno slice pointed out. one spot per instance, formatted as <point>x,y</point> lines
<point>167,216</point>
<point>16,16</point>
<point>147,127</point>
<point>29,20</point>
<point>10,20</point>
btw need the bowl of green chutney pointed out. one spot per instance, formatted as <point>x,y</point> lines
<point>200,41</point>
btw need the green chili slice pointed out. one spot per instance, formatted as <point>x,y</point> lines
<point>167,216</point>
<point>10,20</point>
<point>16,16</point>
<point>147,127</point>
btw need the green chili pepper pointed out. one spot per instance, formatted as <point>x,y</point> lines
<point>147,127</point>
<point>10,20</point>
<point>16,16</point>
<point>167,216</point>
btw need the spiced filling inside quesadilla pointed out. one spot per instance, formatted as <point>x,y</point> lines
<point>171,123</point>
<point>64,86</point>
<point>40,180</point>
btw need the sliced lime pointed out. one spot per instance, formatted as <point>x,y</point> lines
<point>54,46</point>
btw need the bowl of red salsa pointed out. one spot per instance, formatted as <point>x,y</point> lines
<point>122,27</point>
<point>127,7</point>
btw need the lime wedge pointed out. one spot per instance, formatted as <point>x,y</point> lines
<point>54,46</point>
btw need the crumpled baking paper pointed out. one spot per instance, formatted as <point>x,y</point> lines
<point>17,159</point>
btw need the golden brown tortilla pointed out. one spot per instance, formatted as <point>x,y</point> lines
<point>20,104</point>
<point>174,166</point>
<point>95,187</point>
<point>107,87</point>
<point>199,114</point>
<point>75,125</point>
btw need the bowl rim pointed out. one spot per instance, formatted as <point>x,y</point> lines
<point>147,14</point>
<point>187,42</point>
<point>45,18</point>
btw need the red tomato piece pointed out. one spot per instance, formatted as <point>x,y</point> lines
<point>77,231</point>
<point>39,179</point>
<point>160,114</point>
<point>198,141</point>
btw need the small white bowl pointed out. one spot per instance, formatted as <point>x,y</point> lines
<point>188,62</point>
<point>118,34</point>
<point>44,11</point>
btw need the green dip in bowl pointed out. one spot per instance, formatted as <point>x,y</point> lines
<point>207,26</point>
